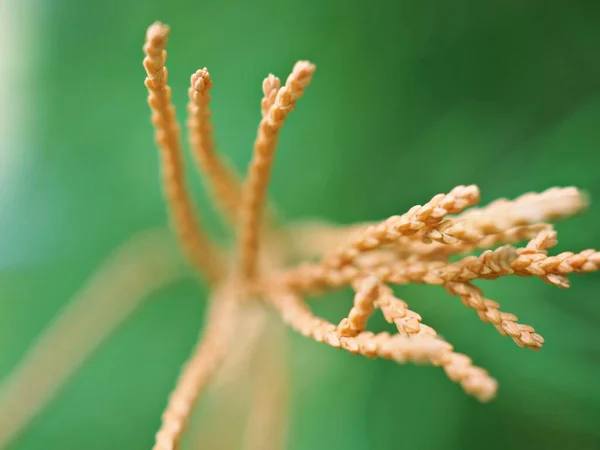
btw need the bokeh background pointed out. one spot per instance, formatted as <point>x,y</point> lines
<point>410,98</point>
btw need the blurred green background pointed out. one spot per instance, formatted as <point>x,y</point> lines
<point>410,98</point>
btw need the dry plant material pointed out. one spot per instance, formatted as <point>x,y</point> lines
<point>274,113</point>
<point>223,183</point>
<point>414,247</point>
<point>197,245</point>
<point>204,362</point>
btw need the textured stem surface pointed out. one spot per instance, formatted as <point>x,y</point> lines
<point>194,242</point>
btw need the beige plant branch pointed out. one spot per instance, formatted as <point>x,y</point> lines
<point>532,207</point>
<point>398,348</point>
<point>255,188</point>
<point>491,264</point>
<point>501,222</point>
<point>410,248</point>
<point>458,367</point>
<point>553,267</point>
<point>493,225</point>
<point>141,266</point>
<point>206,358</point>
<point>367,292</point>
<point>271,86</point>
<point>222,181</point>
<point>371,293</point>
<point>531,260</point>
<point>507,260</point>
<point>488,311</point>
<point>502,215</point>
<point>417,219</point>
<point>200,250</point>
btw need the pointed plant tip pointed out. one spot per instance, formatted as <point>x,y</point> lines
<point>269,83</point>
<point>157,30</point>
<point>305,65</point>
<point>474,189</point>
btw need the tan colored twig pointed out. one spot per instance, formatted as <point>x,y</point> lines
<point>297,315</point>
<point>367,292</point>
<point>502,215</point>
<point>313,239</point>
<point>396,311</point>
<point>194,242</point>
<point>489,265</point>
<point>200,368</point>
<point>410,248</point>
<point>533,260</point>
<point>260,167</point>
<point>458,367</point>
<point>586,261</point>
<point>488,311</point>
<point>371,293</point>
<point>142,265</point>
<point>501,222</point>
<point>455,277</point>
<point>270,87</point>
<point>314,278</point>
<point>223,183</point>
<point>418,218</point>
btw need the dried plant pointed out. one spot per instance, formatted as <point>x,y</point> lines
<point>429,244</point>
<point>412,248</point>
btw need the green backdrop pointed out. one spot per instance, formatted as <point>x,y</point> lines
<point>410,98</point>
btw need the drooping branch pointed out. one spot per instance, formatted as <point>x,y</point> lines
<point>398,348</point>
